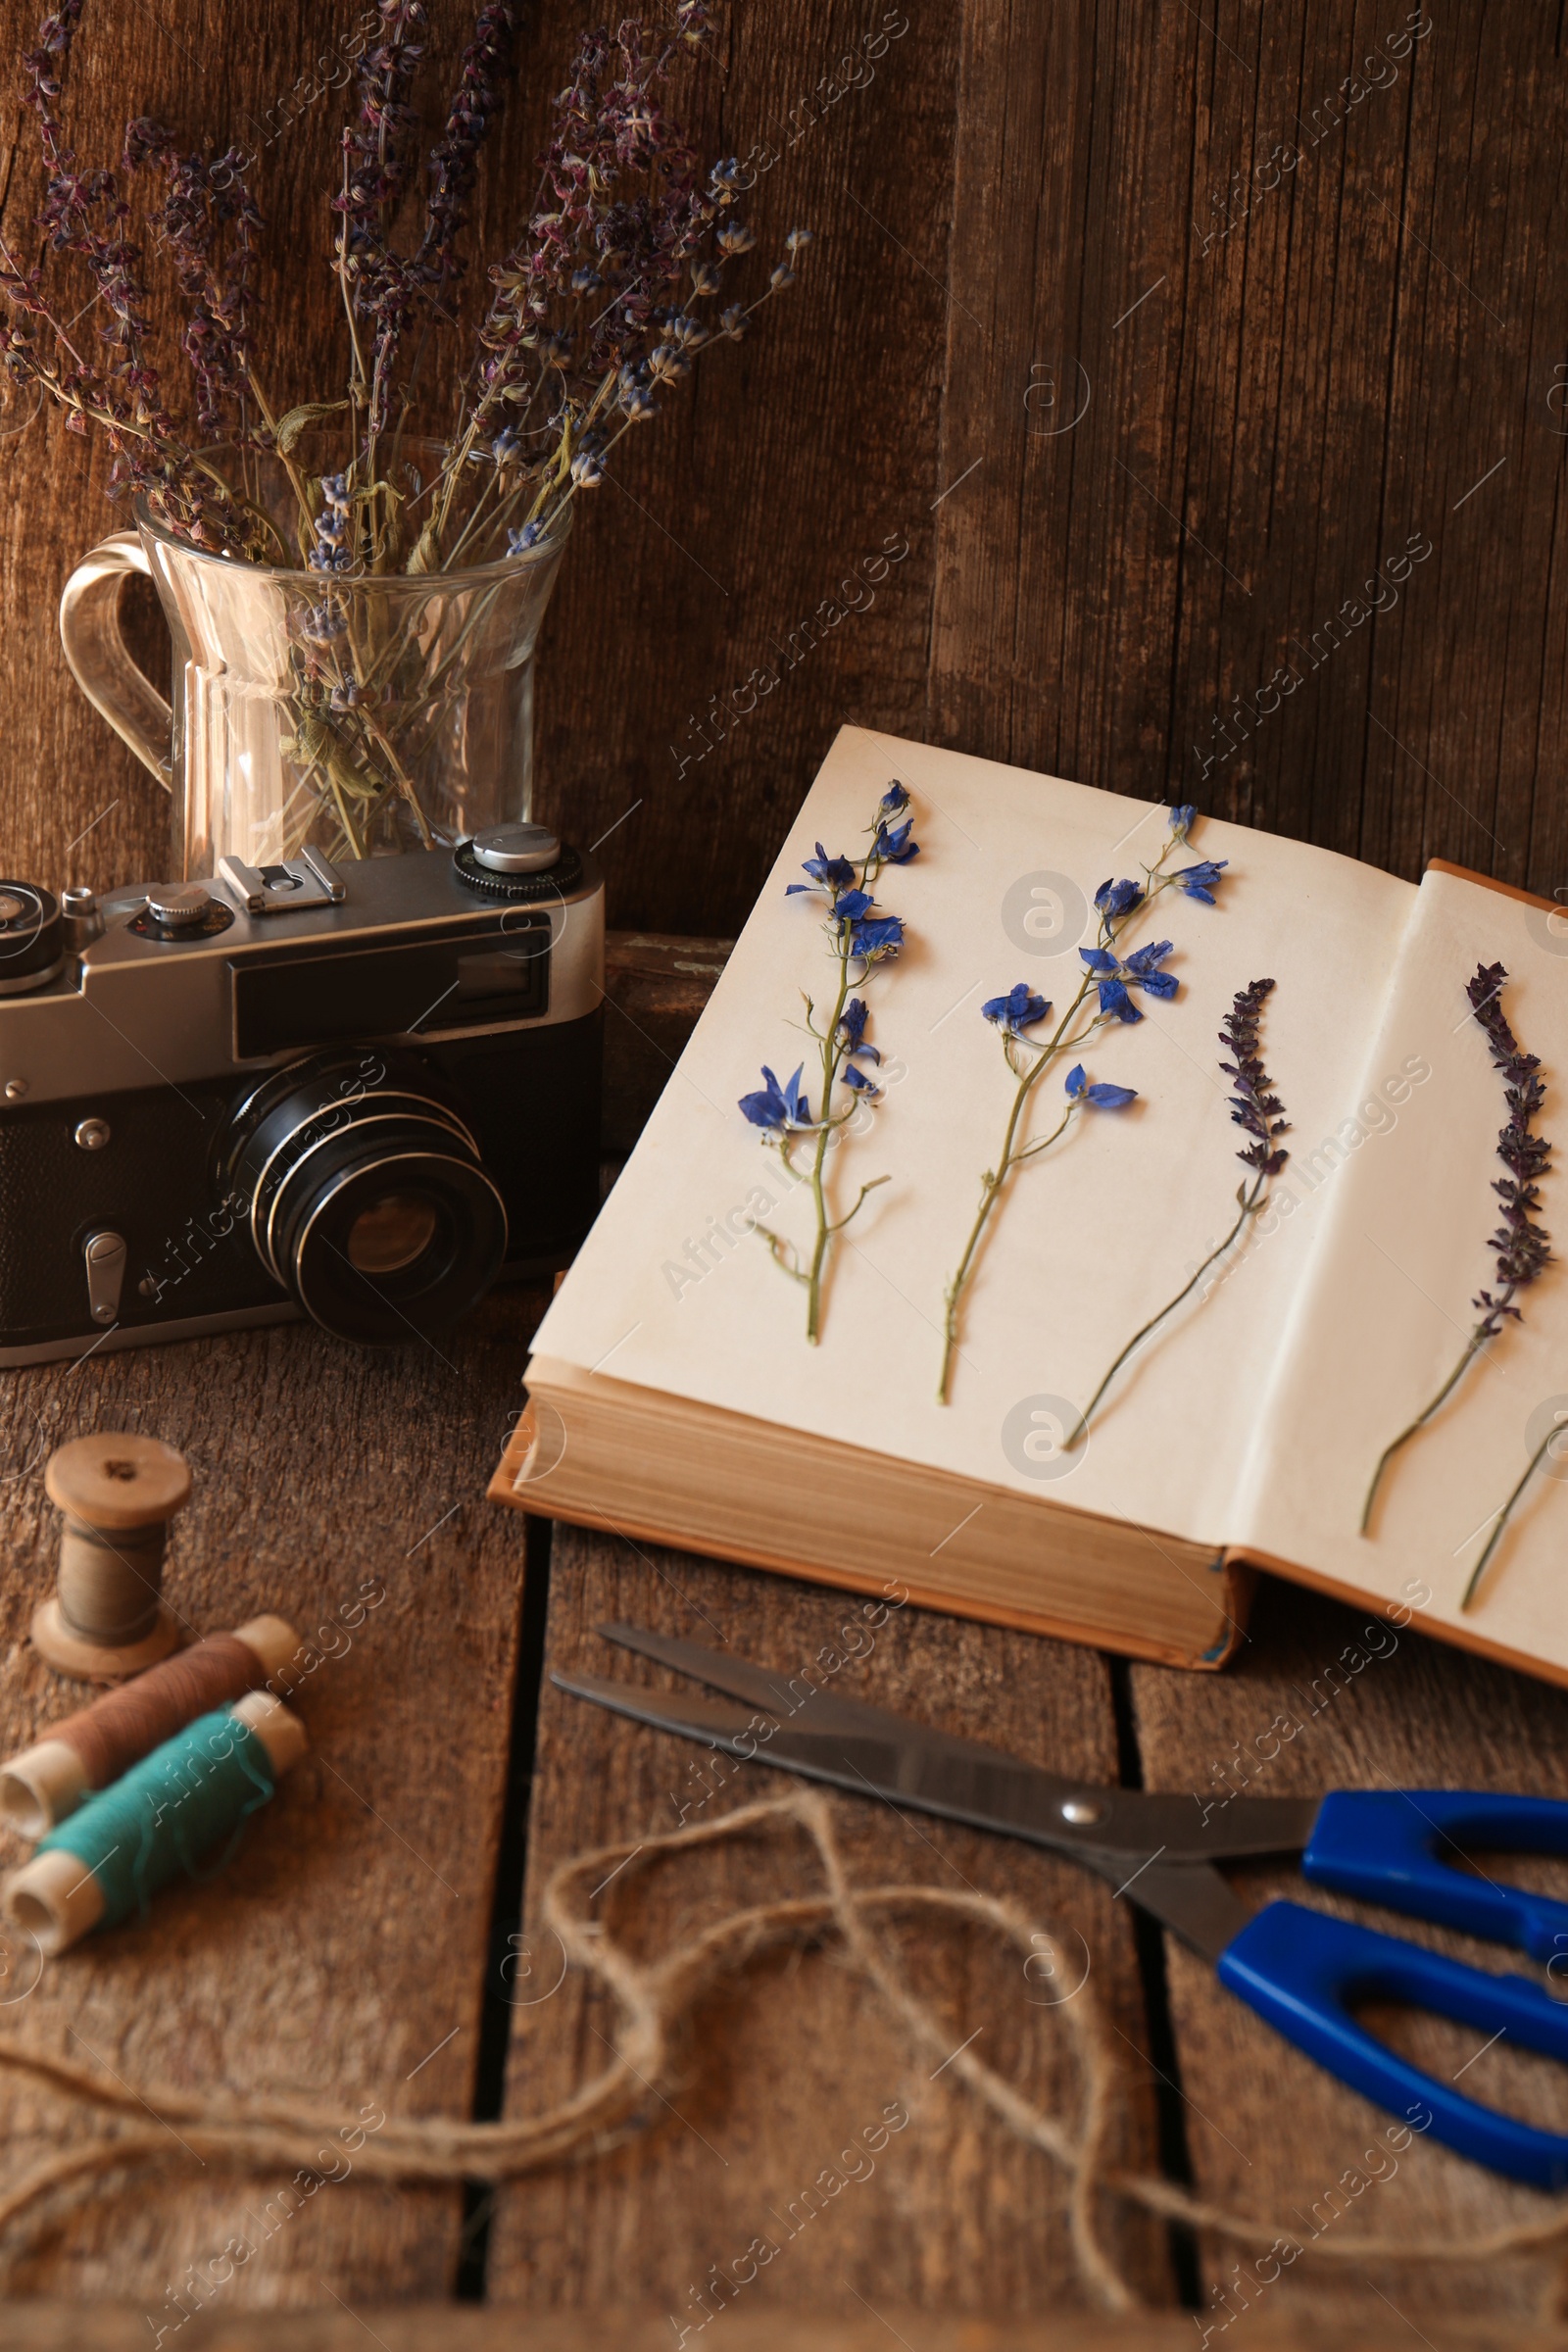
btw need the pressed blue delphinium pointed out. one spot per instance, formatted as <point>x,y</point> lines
<point>861,936</point>
<point>1104,994</point>
<point>1522,1246</point>
<point>1253,1106</point>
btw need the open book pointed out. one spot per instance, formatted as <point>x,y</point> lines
<point>674,1396</point>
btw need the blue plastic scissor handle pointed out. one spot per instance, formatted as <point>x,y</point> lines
<point>1383,1845</point>
<point>1302,1969</point>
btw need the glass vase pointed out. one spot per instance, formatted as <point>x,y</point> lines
<point>360,715</point>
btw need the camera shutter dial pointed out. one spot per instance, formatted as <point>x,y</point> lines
<point>365,1196</point>
<point>515,849</point>
<point>180,905</point>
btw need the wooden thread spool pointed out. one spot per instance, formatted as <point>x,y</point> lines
<point>89,1751</point>
<point>106,1618</point>
<point>57,1897</point>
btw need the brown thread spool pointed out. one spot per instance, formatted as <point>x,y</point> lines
<point>107,1619</point>
<point>90,1749</point>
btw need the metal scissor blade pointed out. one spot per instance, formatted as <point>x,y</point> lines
<point>785,1695</point>
<point>1191,1898</point>
<point>995,1793</point>
<point>967,1780</point>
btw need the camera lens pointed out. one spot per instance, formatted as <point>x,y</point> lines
<point>391,1234</point>
<point>365,1195</point>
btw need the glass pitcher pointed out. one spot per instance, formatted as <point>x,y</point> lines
<point>360,716</point>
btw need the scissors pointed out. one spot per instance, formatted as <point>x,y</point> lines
<point>1302,1971</point>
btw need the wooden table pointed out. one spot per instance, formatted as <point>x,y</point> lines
<point>378,1938</point>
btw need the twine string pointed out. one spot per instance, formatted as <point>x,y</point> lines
<point>655,2001</point>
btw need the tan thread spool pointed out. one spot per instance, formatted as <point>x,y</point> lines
<point>106,1618</point>
<point>87,1751</point>
<point>55,1900</point>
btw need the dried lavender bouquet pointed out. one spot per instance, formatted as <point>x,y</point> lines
<point>613,286</point>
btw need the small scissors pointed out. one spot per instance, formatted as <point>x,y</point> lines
<point>1301,1970</point>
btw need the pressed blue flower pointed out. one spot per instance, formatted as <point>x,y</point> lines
<point>1019,1009</point>
<point>1116,899</point>
<point>1141,969</point>
<point>1099,1092</point>
<point>1183,818</point>
<point>778,1107</point>
<point>894,800</point>
<point>828,873</point>
<point>851,1029</point>
<point>876,937</point>
<point>519,542</point>
<point>849,905</point>
<point>895,848</point>
<point>1198,881</point>
<point>859,1081</point>
<point>1137,970</point>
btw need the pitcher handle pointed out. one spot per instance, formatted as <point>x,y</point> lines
<point>101,660</point>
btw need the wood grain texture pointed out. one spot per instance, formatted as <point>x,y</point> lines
<point>1251,296</point>
<point>70,2329</point>
<point>1267,2130</point>
<point>1153,338</point>
<point>340,1956</point>
<point>798,2059</point>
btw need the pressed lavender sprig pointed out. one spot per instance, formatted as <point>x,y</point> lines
<point>1522,1246</point>
<point>861,938</point>
<point>1255,1107</point>
<point>1107,979</point>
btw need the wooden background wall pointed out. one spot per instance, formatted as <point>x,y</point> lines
<point>1154,329</point>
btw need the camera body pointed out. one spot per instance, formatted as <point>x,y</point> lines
<point>361,1093</point>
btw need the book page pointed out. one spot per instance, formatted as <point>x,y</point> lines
<point>673,1289</point>
<point>1386,1311</point>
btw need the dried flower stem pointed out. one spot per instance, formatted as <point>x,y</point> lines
<point>1505,1514</point>
<point>1521,1246</point>
<point>1065,1040</point>
<point>861,937</point>
<point>1255,1107</point>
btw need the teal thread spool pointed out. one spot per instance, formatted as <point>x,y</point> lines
<point>188,1800</point>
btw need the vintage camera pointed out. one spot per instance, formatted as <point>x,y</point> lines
<point>361,1093</point>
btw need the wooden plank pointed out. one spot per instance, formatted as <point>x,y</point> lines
<point>797,2059</point>
<point>1231,336</point>
<point>1269,2133</point>
<point>340,1957</point>
<point>655,988</point>
<point>58,2328</point>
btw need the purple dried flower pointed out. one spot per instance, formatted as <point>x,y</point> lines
<point>1523,1250</point>
<point>1522,1246</point>
<point>1254,1105</point>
